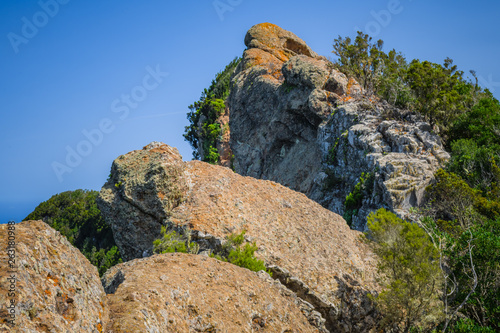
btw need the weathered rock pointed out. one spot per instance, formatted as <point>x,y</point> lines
<point>143,189</point>
<point>56,288</point>
<point>307,126</point>
<point>292,232</point>
<point>277,41</point>
<point>189,293</point>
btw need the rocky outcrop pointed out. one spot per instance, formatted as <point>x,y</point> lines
<point>296,120</point>
<point>143,189</point>
<point>295,234</point>
<point>193,293</point>
<point>56,289</point>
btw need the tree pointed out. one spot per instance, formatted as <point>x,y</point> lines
<point>361,59</point>
<point>440,91</point>
<point>482,123</point>
<point>392,83</point>
<point>452,199</point>
<point>409,264</point>
<point>477,165</point>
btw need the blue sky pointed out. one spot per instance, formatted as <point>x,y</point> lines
<point>102,78</point>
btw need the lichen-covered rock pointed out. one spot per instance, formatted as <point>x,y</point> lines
<point>143,189</point>
<point>399,160</point>
<point>56,288</point>
<point>296,120</point>
<point>277,41</point>
<point>189,293</point>
<point>292,232</point>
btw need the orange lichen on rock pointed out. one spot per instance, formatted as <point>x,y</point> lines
<point>48,260</point>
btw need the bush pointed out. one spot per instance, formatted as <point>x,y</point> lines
<point>174,242</point>
<point>483,306</point>
<point>354,200</point>
<point>203,131</point>
<point>243,256</point>
<point>481,124</point>
<point>409,264</point>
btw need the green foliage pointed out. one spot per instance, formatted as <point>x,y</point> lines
<point>477,165</point>
<point>76,216</point>
<point>103,259</point>
<point>354,200</point>
<point>469,326</point>
<point>483,306</point>
<point>174,242</point>
<point>391,84</point>
<point>288,87</point>
<point>203,127</point>
<point>409,264</point>
<point>465,200</point>
<point>241,255</point>
<point>453,199</point>
<point>438,92</point>
<point>361,58</point>
<point>481,124</point>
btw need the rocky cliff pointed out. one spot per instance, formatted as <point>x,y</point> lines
<point>296,120</point>
<point>308,248</point>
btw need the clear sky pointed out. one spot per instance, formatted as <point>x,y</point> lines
<point>102,78</point>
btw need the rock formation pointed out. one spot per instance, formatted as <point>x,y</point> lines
<point>56,288</point>
<point>309,248</point>
<point>296,120</point>
<point>192,293</point>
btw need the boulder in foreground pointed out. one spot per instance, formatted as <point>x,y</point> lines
<point>57,288</point>
<point>192,293</point>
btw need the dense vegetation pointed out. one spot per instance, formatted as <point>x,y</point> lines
<point>446,275</point>
<point>204,131</point>
<point>75,215</point>
<point>409,264</point>
<point>438,92</point>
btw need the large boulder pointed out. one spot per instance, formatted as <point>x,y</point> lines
<point>143,189</point>
<point>309,248</point>
<point>55,288</point>
<point>296,120</point>
<point>193,293</point>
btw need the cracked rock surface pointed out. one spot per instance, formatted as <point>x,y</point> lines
<point>192,293</point>
<point>313,244</point>
<point>296,120</point>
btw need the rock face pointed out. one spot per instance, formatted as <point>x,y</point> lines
<point>143,189</point>
<point>193,293</point>
<point>296,120</point>
<point>310,249</point>
<point>56,288</point>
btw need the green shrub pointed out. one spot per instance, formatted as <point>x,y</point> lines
<point>354,200</point>
<point>174,242</point>
<point>241,255</point>
<point>209,108</point>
